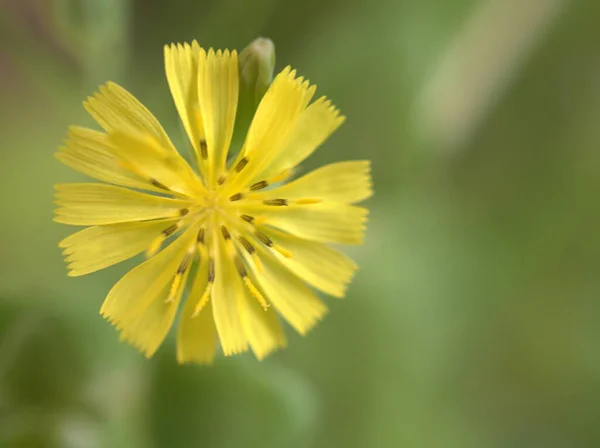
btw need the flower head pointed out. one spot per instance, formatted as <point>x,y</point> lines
<point>251,244</point>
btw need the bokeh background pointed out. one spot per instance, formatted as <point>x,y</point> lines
<point>475,318</point>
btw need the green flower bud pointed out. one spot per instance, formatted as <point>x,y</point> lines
<point>257,64</point>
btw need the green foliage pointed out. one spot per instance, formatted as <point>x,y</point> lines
<point>234,403</point>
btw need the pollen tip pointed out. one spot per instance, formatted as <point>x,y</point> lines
<point>260,220</point>
<point>308,201</point>
<point>282,251</point>
<point>154,247</point>
<point>285,174</point>
<point>256,293</point>
<point>258,263</point>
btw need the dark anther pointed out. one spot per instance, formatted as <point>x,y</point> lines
<point>225,233</point>
<point>221,180</point>
<point>170,230</point>
<point>211,271</point>
<point>157,184</point>
<point>277,202</point>
<point>203,149</point>
<point>184,264</point>
<point>259,185</point>
<point>201,236</point>
<point>247,245</point>
<point>241,164</point>
<point>247,218</point>
<point>184,211</point>
<point>239,265</point>
<point>236,197</point>
<point>264,239</point>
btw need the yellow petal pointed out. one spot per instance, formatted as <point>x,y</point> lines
<point>99,247</point>
<point>262,327</point>
<point>90,152</point>
<point>181,66</point>
<point>197,336</point>
<point>137,304</point>
<point>321,266</point>
<point>275,118</point>
<point>327,222</point>
<point>347,182</point>
<point>147,329</point>
<point>227,292</point>
<point>218,94</point>
<point>290,296</point>
<point>98,204</point>
<point>316,123</point>
<point>115,109</point>
<point>144,154</point>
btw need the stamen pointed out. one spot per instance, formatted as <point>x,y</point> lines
<point>185,263</point>
<point>178,279</point>
<point>211,270</point>
<point>264,239</point>
<point>282,251</point>
<point>184,211</point>
<point>157,242</point>
<point>281,176</point>
<point>203,149</point>
<point>241,164</point>
<point>157,184</point>
<point>236,197</point>
<point>239,265</point>
<point>252,251</point>
<point>257,262</point>
<point>276,202</point>
<point>247,245</point>
<point>174,288</point>
<point>308,201</point>
<point>221,180</point>
<point>259,220</point>
<point>269,243</point>
<point>256,293</point>
<point>154,246</point>
<point>200,238</point>
<point>259,185</point>
<point>225,232</point>
<point>248,218</point>
<point>207,292</point>
<point>203,300</point>
<point>170,230</point>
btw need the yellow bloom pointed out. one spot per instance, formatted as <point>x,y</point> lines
<point>251,245</point>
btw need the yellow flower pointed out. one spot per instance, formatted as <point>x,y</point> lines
<point>251,245</point>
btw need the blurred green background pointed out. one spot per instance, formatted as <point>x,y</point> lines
<point>474,320</point>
